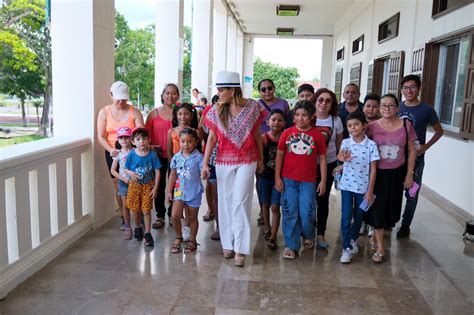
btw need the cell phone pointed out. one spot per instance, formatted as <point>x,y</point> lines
<point>365,205</point>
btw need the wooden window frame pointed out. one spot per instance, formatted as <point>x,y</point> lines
<point>341,51</point>
<point>395,17</point>
<point>396,64</point>
<point>436,13</point>
<point>361,46</point>
<point>338,91</point>
<point>355,66</point>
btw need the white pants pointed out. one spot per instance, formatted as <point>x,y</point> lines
<point>235,184</point>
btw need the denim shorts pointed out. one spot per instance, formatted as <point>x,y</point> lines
<point>212,174</point>
<point>267,192</point>
<point>123,188</point>
<point>193,203</point>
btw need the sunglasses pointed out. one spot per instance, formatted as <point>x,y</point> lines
<point>264,89</point>
<point>324,100</point>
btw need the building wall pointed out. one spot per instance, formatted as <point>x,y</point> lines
<point>449,171</point>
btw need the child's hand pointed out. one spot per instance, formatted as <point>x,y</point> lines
<point>134,177</point>
<point>346,155</point>
<point>154,193</point>
<point>408,181</point>
<point>205,172</point>
<point>337,170</point>
<point>260,167</point>
<point>126,180</point>
<point>370,197</point>
<point>114,153</point>
<point>321,188</point>
<point>170,196</point>
<point>279,186</point>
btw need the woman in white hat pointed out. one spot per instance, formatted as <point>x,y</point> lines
<point>111,118</point>
<point>234,122</point>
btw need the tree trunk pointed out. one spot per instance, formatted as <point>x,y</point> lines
<point>23,113</point>
<point>37,116</point>
<point>48,100</point>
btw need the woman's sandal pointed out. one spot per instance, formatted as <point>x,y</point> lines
<point>191,247</point>
<point>272,243</point>
<point>228,254</point>
<point>260,221</point>
<point>377,257</point>
<point>208,216</point>
<point>176,247</point>
<point>288,253</point>
<point>239,260</point>
<point>158,223</point>
<point>308,244</point>
<point>215,236</point>
<point>267,234</point>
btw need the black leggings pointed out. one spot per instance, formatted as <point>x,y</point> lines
<point>160,199</point>
<point>323,201</point>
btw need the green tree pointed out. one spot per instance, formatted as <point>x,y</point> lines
<point>135,60</point>
<point>285,78</point>
<point>25,49</point>
<point>186,97</point>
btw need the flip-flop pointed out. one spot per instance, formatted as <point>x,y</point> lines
<point>288,253</point>
<point>308,244</point>
<point>377,257</point>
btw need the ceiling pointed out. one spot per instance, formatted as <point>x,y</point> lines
<point>316,18</point>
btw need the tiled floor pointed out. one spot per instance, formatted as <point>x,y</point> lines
<point>432,272</point>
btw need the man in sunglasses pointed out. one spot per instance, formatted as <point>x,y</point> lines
<point>351,104</point>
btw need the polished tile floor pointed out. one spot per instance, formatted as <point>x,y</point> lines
<point>432,272</point>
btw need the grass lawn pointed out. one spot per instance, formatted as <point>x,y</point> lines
<point>17,140</point>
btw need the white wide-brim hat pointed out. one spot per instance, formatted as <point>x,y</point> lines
<point>227,79</point>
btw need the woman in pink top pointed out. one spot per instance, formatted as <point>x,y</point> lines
<point>234,122</point>
<point>394,136</point>
<point>159,122</point>
<point>110,118</point>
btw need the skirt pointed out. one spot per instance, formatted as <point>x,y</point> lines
<point>386,210</point>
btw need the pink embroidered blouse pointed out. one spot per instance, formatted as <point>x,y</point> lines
<point>237,143</point>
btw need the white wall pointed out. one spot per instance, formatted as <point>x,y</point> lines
<point>448,169</point>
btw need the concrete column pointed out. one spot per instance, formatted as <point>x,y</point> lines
<point>247,73</point>
<point>201,59</point>
<point>82,42</point>
<point>169,45</point>
<point>327,61</point>
<point>219,62</point>
<point>239,57</point>
<point>231,44</point>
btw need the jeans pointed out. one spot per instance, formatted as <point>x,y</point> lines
<point>350,202</point>
<point>411,203</point>
<point>298,212</point>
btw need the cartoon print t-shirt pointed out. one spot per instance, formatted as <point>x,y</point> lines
<point>144,166</point>
<point>301,149</point>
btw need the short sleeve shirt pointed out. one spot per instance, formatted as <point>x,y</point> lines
<point>188,175</point>
<point>356,173</point>
<point>330,127</point>
<point>121,158</point>
<point>144,166</point>
<point>391,144</point>
<point>420,116</point>
<point>301,150</point>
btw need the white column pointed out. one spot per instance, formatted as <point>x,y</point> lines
<point>327,61</point>
<point>201,59</point>
<point>239,56</point>
<point>247,74</point>
<point>219,62</point>
<point>231,44</point>
<point>168,45</point>
<point>82,42</point>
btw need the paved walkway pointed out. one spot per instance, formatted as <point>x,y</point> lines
<point>432,272</point>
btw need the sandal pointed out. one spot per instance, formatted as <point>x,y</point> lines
<point>191,247</point>
<point>308,244</point>
<point>239,260</point>
<point>228,254</point>
<point>377,257</point>
<point>176,247</point>
<point>215,236</point>
<point>272,244</point>
<point>158,223</point>
<point>260,221</point>
<point>288,253</point>
<point>208,216</point>
<point>267,234</point>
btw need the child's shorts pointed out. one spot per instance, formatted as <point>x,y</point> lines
<point>194,203</point>
<point>212,174</point>
<point>267,192</point>
<point>139,196</point>
<point>122,188</point>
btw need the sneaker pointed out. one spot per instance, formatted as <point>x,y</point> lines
<point>355,247</point>
<point>149,240</point>
<point>346,256</point>
<point>122,225</point>
<point>371,231</point>
<point>362,229</point>
<point>138,234</point>
<point>186,233</point>
<point>403,232</point>
<point>128,233</point>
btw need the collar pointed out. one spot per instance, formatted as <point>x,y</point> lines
<point>363,143</point>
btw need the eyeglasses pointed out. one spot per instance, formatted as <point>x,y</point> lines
<point>388,106</point>
<point>411,87</point>
<point>324,100</point>
<point>266,88</point>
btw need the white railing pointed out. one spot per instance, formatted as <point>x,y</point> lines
<point>41,205</point>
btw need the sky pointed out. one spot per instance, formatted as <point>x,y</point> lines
<point>305,53</point>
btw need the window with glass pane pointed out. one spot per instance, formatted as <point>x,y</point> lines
<point>450,82</point>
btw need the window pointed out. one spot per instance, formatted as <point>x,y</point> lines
<point>370,78</point>
<point>355,73</point>
<point>340,54</point>
<point>389,28</point>
<point>358,45</point>
<point>450,82</point>
<point>338,83</point>
<point>387,73</point>
<point>441,7</point>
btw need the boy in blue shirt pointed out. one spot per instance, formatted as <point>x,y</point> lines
<point>143,168</point>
